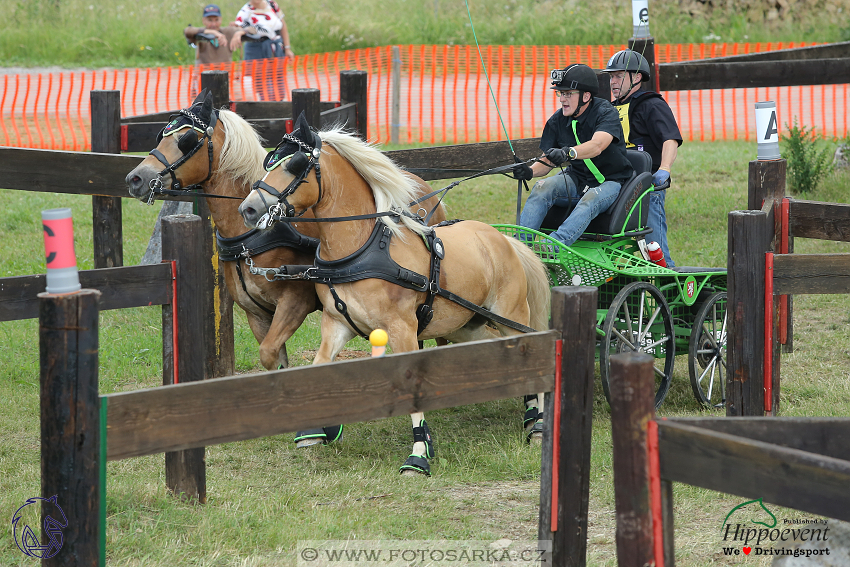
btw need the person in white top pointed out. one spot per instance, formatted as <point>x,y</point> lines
<point>263,18</point>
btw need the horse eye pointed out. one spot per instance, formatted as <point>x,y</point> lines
<point>187,141</point>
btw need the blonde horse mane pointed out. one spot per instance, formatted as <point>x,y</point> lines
<point>392,187</point>
<point>242,155</point>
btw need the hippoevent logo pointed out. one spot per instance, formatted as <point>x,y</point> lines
<point>750,528</point>
<point>54,522</point>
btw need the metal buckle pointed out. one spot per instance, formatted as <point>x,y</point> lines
<point>155,185</point>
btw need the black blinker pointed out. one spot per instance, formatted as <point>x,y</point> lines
<point>297,164</point>
<point>159,136</point>
<point>187,141</point>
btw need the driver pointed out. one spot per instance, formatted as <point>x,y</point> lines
<point>649,125</point>
<point>586,131</point>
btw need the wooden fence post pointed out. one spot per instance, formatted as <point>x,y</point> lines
<point>108,239</point>
<point>565,464</point>
<point>632,407</point>
<point>308,101</point>
<point>749,239</point>
<point>185,471</point>
<point>767,181</point>
<point>354,87</point>
<point>217,82</point>
<point>70,423</point>
<point>221,357</point>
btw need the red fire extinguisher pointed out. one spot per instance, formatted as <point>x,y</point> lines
<point>656,256</point>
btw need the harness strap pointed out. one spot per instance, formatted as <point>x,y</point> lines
<point>343,308</point>
<point>590,165</point>
<point>245,289</point>
<point>484,312</point>
<point>425,312</point>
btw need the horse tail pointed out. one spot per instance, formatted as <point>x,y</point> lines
<point>538,295</point>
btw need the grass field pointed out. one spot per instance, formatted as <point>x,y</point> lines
<point>264,495</point>
<point>80,33</point>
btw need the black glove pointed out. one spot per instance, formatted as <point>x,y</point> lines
<point>523,172</point>
<point>556,155</point>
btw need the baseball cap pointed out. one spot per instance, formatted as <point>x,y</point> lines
<point>211,10</point>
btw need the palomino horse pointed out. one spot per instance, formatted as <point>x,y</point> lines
<point>219,153</point>
<point>337,176</point>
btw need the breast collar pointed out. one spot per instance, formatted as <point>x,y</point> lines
<point>372,260</point>
<point>258,241</point>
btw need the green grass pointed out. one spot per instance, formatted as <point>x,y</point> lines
<point>132,34</point>
<point>264,496</point>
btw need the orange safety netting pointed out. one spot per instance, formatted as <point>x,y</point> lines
<point>443,93</point>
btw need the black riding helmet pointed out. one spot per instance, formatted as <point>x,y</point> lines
<point>632,62</point>
<point>577,76</point>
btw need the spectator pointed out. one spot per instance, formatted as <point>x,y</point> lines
<point>586,130</point>
<point>649,125</point>
<point>259,19</point>
<point>215,50</point>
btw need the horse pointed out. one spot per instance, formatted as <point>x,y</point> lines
<point>338,177</point>
<point>225,166</point>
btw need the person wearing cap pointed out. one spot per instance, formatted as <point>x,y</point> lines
<point>648,125</point>
<point>586,133</point>
<point>215,50</point>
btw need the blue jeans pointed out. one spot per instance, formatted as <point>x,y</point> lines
<point>657,221</point>
<point>561,190</point>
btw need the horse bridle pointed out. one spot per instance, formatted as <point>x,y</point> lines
<point>296,162</point>
<point>156,185</point>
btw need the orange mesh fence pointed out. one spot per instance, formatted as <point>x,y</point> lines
<point>444,98</point>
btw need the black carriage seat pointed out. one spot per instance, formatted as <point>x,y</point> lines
<point>616,220</point>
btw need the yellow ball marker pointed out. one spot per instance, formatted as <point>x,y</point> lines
<point>379,339</point>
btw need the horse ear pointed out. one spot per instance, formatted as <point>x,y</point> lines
<point>301,129</point>
<point>200,98</point>
<point>207,106</point>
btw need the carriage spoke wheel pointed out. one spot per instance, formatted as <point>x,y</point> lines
<point>639,320</point>
<point>707,352</point>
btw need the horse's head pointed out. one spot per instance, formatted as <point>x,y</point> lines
<point>185,152</point>
<point>288,188</point>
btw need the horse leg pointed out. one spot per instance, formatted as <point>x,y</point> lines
<point>290,312</point>
<point>334,337</point>
<point>423,448</point>
<point>260,327</point>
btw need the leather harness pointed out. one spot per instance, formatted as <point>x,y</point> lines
<point>258,241</point>
<point>373,260</point>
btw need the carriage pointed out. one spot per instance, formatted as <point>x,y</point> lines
<point>642,306</point>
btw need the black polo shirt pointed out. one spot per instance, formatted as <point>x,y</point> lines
<point>599,115</point>
<point>651,123</point>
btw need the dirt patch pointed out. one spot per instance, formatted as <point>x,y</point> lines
<point>345,354</point>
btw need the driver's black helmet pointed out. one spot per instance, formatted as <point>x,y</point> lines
<point>578,77</point>
<point>629,60</point>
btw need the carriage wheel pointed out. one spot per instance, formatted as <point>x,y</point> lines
<point>639,320</point>
<point>707,352</point>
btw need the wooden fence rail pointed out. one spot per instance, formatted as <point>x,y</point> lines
<point>816,65</point>
<point>120,288</point>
